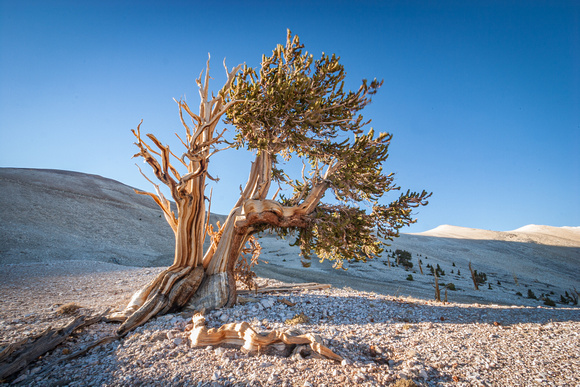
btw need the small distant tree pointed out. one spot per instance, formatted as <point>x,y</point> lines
<point>404,258</point>
<point>474,277</point>
<point>291,107</point>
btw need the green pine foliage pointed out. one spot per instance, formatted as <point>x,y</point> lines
<point>296,107</point>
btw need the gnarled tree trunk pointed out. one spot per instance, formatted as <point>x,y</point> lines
<point>173,287</point>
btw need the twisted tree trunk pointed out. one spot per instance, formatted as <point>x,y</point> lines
<point>173,287</point>
<point>207,281</point>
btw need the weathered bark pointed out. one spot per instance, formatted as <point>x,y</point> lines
<point>15,357</point>
<point>215,292</point>
<point>172,291</point>
<point>173,287</point>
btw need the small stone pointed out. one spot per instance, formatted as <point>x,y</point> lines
<point>359,377</point>
<point>158,336</point>
<point>266,303</point>
<point>178,341</point>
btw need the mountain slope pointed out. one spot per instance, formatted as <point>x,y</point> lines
<point>48,215</point>
<point>62,215</point>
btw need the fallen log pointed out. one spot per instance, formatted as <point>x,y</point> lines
<point>17,356</point>
<point>288,288</point>
<point>242,334</point>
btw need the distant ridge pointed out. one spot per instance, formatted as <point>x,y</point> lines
<point>545,235</point>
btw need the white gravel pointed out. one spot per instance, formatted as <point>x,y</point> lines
<point>383,338</point>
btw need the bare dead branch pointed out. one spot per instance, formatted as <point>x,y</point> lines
<point>187,129</point>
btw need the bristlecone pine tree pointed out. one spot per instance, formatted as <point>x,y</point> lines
<point>291,107</point>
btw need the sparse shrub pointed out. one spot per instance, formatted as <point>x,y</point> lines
<point>549,302</point>
<point>531,295</point>
<point>519,294</point>
<point>574,296</point>
<point>298,319</point>
<point>410,277</point>
<point>69,308</point>
<point>404,383</point>
<point>440,272</point>
<point>480,277</point>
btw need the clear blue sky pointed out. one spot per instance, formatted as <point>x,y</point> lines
<point>483,99</point>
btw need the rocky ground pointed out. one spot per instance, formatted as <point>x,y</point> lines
<point>382,338</point>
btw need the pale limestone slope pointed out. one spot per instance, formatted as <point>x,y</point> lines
<point>48,216</point>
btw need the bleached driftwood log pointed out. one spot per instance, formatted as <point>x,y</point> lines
<point>242,334</point>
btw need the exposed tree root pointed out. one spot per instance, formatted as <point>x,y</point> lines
<point>170,290</point>
<point>243,335</point>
